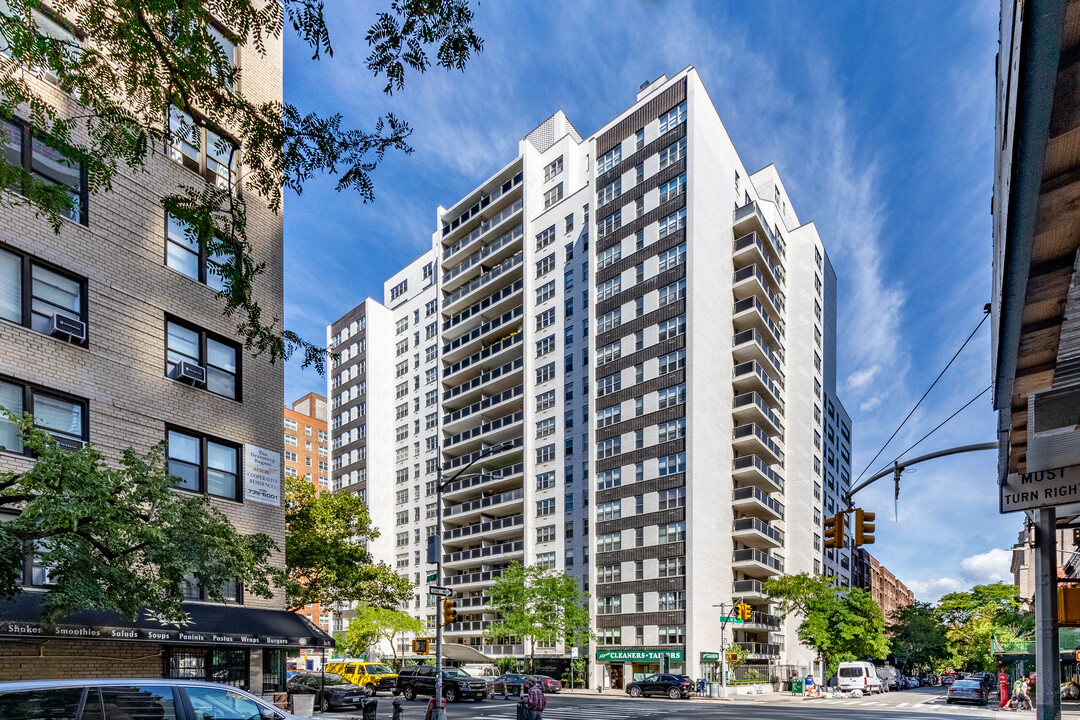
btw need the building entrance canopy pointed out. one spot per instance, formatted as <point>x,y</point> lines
<point>207,624</point>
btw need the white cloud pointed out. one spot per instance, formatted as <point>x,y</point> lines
<point>932,590</point>
<point>988,567</point>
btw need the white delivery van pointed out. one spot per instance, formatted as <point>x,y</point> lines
<point>890,677</point>
<point>858,675</point>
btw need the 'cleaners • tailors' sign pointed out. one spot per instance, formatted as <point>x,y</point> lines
<point>1041,488</point>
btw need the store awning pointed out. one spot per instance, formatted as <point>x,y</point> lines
<point>207,624</point>
<point>464,653</point>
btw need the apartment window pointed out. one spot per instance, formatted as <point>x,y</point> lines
<point>674,395</point>
<point>569,308</point>
<point>204,464</point>
<point>608,542</point>
<point>672,430</point>
<point>672,293</point>
<point>608,416</point>
<point>545,346</point>
<point>609,636</point>
<point>675,152</point>
<point>65,417</point>
<point>31,293</point>
<point>545,401</point>
<point>202,150</point>
<point>609,224</point>
<point>545,238</point>
<point>672,567</point>
<point>639,139</point>
<point>639,173</point>
<point>609,511</point>
<point>609,192</point>
<point>609,257</point>
<point>545,292</point>
<point>672,532</point>
<point>673,257</point>
<point>673,118</point>
<point>545,373</point>
<point>672,464</point>
<point>21,149</point>
<point>545,507</point>
<point>553,196</point>
<point>672,328</point>
<point>609,289</point>
<point>673,600</point>
<point>545,481</point>
<point>568,226</point>
<point>674,221</point>
<point>553,168</point>
<point>545,428</point>
<point>609,160</point>
<point>400,289</point>
<point>429,332</point>
<point>545,534</point>
<point>609,353</point>
<point>401,347</point>
<point>672,188</point>
<point>671,499</point>
<point>673,361</point>
<point>545,453</point>
<point>545,265</point>
<point>608,448</point>
<point>609,384</point>
<point>639,636</point>
<point>545,560</point>
<point>609,321</point>
<point>218,357</point>
<point>609,573</point>
<point>639,373</point>
<point>609,479</point>
<point>609,605</point>
<point>184,254</point>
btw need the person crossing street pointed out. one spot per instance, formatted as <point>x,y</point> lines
<point>536,701</point>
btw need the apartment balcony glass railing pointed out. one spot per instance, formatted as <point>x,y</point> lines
<point>743,286</point>
<point>490,501</point>
<point>506,240</point>
<point>760,650</point>
<point>750,344</point>
<point>482,204</point>
<point>757,406</point>
<point>755,371</point>
<point>470,578</point>
<point>491,551</point>
<point>484,404</point>
<point>484,477</point>
<point>757,439</point>
<point>484,428</point>
<point>493,299</point>
<point>760,317</point>
<point>484,379</point>
<point>749,588</point>
<point>490,276</point>
<point>750,213</point>
<point>746,495</point>
<point>482,528</point>
<point>753,525</point>
<point>761,621</point>
<point>748,557</point>
<point>755,470</point>
<point>514,338</point>
<point>474,456</point>
<point>752,241</point>
<point>478,332</point>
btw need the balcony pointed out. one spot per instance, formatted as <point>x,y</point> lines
<point>451,421</point>
<point>467,626</point>
<point>752,470</point>
<point>503,650</point>
<point>750,345</point>
<point>486,576</point>
<point>492,381</point>
<point>751,313</point>
<point>454,300</point>
<point>486,201</point>
<point>468,341</point>
<point>504,424</point>
<point>490,352</point>
<point>502,551</point>
<point>755,502</point>
<point>750,590</point>
<point>751,282</point>
<point>760,621</point>
<point>752,408</point>
<point>452,463</point>
<point>749,218</point>
<point>756,534</point>
<point>502,526</point>
<point>495,302</point>
<point>489,255</point>
<point>489,478</point>
<point>510,498</point>
<point>751,439</point>
<point>756,563</point>
<point>760,651</point>
<point>750,248</point>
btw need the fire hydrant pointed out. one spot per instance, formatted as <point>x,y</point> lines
<point>397,709</point>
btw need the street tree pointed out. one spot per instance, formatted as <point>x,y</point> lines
<point>326,556</point>
<point>383,624</point>
<point>117,537</point>
<point>839,623</point>
<point>142,76</point>
<point>917,637</point>
<point>971,617</point>
<point>538,604</point>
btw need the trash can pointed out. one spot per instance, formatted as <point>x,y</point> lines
<point>303,705</point>
<point>714,690</point>
<point>369,706</point>
<point>797,686</point>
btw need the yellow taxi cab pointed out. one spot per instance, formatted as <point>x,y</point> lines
<point>371,675</point>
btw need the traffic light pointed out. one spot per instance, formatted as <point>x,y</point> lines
<point>834,531</point>
<point>864,527</point>
<point>420,646</point>
<point>743,611</point>
<point>449,612</point>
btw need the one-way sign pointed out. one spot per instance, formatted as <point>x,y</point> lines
<point>439,590</point>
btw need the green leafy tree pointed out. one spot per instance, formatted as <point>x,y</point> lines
<point>972,616</point>
<point>917,637</point>
<point>839,623</point>
<point>129,64</point>
<point>354,641</point>
<point>326,558</point>
<point>538,605</point>
<point>384,624</point>
<point>118,538</point>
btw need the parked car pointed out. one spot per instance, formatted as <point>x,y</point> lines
<point>673,686</point>
<point>371,675</point>
<point>508,684</point>
<point>948,678</point>
<point>968,691</point>
<point>414,680</point>
<point>331,691</point>
<point>859,675</point>
<point>890,678</point>
<point>913,682</point>
<point>131,697</point>
<point>547,683</point>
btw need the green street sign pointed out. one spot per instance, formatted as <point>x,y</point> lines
<point>432,577</point>
<point>638,655</point>
<point>710,656</point>
<point>730,619</point>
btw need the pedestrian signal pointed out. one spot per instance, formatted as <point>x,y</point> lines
<point>420,646</point>
<point>733,657</point>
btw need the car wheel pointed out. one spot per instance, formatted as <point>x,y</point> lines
<point>674,693</point>
<point>409,692</point>
<point>372,690</point>
<point>450,694</point>
<point>634,691</point>
<point>324,705</point>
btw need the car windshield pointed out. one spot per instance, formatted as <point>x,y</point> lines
<point>332,679</point>
<point>455,672</point>
<point>379,670</point>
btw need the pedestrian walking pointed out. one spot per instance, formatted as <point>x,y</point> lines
<point>811,690</point>
<point>537,701</point>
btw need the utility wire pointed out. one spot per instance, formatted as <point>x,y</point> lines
<point>912,412</point>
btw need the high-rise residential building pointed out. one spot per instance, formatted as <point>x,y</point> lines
<point>114,334</point>
<point>646,331</point>
<point>887,590</point>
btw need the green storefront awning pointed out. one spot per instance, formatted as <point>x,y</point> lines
<point>638,655</point>
<point>710,656</point>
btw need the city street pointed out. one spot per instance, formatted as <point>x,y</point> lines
<point>908,705</point>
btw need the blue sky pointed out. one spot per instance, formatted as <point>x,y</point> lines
<point>879,117</point>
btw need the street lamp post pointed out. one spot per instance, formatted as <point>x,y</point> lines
<point>440,711</point>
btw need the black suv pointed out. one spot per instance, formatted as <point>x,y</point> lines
<point>674,686</point>
<point>413,680</point>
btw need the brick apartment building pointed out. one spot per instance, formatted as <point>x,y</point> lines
<point>123,276</point>
<point>890,593</point>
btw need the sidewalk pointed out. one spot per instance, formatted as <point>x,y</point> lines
<point>732,696</point>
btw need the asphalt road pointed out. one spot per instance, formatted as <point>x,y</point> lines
<point>916,704</point>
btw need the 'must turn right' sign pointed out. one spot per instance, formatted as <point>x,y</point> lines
<point>1042,488</point>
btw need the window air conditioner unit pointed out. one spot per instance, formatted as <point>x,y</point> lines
<point>189,372</point>
<point>66,443</point>
<point>68,327</point>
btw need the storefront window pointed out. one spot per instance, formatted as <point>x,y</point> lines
<point>225,666</point>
